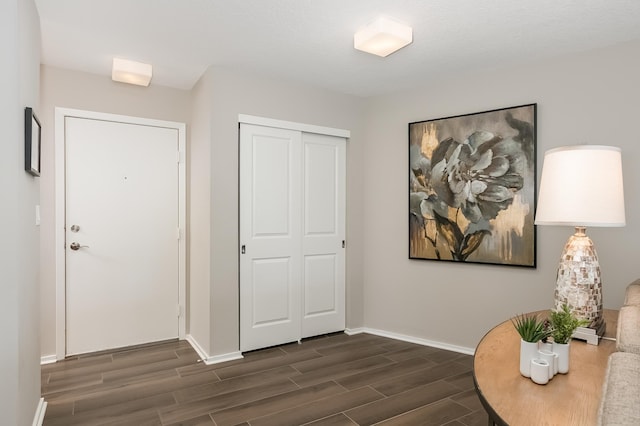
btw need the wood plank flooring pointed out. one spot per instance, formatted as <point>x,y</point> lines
<point>330,380</point>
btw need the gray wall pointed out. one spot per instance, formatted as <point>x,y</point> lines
<point>211,110</point>
<point>232,93</point>
<point>589,98</point>
<point>199,226</point>
<point>583,98</point>
<point>19,192</point>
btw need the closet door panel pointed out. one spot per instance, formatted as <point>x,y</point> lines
<point>320,277</point>
<point>272,284</point>
<point>270,233</point>
<point>323,285</point>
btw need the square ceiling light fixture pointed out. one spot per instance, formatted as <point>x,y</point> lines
<point>383,36</point>
<point>131,72</point>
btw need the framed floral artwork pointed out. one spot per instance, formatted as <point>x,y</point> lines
<point>472,187</point>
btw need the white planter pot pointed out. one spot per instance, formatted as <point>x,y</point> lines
<point>551,359</point>
<point>528,351</point>
<point>545,346</point>
<point>540,371</point>
<point>562,349</point>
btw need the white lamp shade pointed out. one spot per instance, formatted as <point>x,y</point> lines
<point>581,185</point>
<point>382,37</point>
<point>132,72</point>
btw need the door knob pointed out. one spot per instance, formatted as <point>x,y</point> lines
<point>76,246</point>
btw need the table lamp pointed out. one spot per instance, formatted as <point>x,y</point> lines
<point>581,186</point>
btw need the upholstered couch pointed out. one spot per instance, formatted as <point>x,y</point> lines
<point>620,404</point>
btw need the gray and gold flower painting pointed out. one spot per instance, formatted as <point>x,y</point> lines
<point>472,183</point>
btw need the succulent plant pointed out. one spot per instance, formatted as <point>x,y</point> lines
<point>531,328</point>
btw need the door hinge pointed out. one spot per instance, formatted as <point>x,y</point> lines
<point>178,233</point>
<point>243,249</point>
<point>344,244</point>
<point>179,157</point>
<point>179,311</point>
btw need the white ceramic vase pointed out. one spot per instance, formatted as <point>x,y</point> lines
<point>545,346</point>
<point>562,349</point>
<point>551,358</point>
<point>528,351</point>
<point>540,371</point>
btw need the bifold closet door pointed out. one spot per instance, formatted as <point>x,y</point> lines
<point>291,235</point>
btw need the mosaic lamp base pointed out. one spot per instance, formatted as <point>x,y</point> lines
<point>579,285</point>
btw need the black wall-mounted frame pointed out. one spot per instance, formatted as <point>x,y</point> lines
<point>32,138</point>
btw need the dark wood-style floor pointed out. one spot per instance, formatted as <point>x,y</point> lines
<point>329,380</point>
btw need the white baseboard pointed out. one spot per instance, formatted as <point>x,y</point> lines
<point>223,358</point>
<point>48,359</point>
<point>411,339</point>
<point>352,331</point>
<point>40,410</point>
<point>196,347</point>
<point>208,359</point>
<point>204,356</point>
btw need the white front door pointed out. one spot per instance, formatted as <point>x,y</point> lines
<point>122,210</point>
<point>292,227</point>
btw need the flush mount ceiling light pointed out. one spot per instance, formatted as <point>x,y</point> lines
<point>131,72</point>
<point>383,36</point>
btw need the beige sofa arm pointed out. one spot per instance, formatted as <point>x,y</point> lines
<point>628,332</point>
<point>620,404</point>
<point>632,294</point>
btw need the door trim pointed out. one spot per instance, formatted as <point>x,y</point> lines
<point>290,125</point>
<point>60,185</point>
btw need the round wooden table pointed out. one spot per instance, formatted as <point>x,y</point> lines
<point>568,399</point>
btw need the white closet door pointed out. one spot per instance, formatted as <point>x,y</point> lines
<point>292,227</point>
<point>324,169</point>
<point>270,235</point>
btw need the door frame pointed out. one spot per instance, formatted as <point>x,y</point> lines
<point>60,207</point>
<point>291,125</point>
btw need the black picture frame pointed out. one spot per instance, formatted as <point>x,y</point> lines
<point>32,141</point>
<point>472,187</point>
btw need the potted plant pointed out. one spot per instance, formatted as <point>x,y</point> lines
<point>563,325</point>
<point>531,329</point>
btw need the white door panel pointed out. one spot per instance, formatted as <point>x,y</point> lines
<point>321,186</point>
<point>324,255</point>
<point>271,201</point>
<point>270,234</point>
<point>122,192</point>
<point>271,289</point>
<point>320,288</point>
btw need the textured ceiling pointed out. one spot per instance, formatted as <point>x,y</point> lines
<point>311,41</point>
